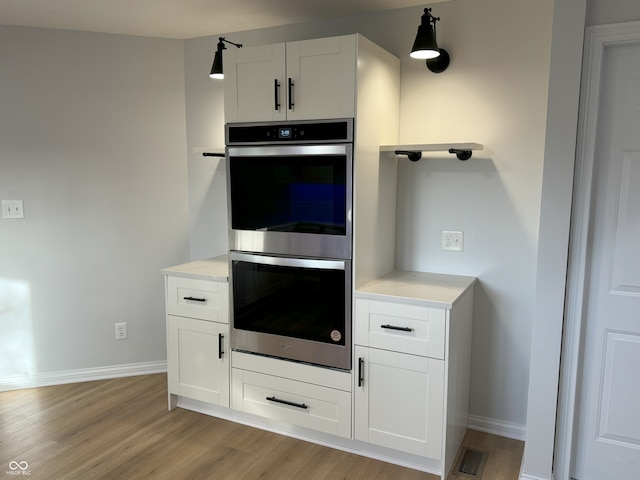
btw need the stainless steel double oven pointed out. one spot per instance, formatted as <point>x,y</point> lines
<point>290,196</point>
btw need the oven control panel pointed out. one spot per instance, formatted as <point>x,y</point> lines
<point>321,131</point>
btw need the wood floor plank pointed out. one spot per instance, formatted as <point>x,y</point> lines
<point>121,428</point>
<point>504,455</point>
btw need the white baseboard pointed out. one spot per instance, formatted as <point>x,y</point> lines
<point>497,427</point>
<point>524,476</point>
<point>82,375</point>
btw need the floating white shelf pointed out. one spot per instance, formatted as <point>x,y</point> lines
<point>414,152</point>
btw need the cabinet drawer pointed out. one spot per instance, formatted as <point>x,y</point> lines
<point>203,299</point>
<point>299,403</point>
<point>413,329</point>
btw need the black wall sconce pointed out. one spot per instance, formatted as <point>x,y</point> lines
<point>426,47</point>
<point>216,69</point>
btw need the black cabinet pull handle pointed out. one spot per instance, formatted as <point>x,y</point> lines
<point>393,327</point>
<point>291,94</point>
<point>276,97</point>
<point>220,344</point>
<point>195,299</point>
<point>360,371</point>
<point>285,402</point>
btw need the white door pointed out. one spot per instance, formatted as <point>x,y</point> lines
<point>608,435</point>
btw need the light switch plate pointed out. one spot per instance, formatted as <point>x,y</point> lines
<point>12,209</point>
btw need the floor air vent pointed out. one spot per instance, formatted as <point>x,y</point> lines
<point>470,463</point>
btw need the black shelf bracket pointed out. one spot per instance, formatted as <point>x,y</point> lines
<point>461,154</point>
<point>414,156</point>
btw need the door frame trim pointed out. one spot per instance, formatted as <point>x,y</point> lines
<point>598,38</point>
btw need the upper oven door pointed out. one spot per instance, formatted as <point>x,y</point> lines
<point>291,199</point>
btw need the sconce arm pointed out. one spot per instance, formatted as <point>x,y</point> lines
<point>221,44</point>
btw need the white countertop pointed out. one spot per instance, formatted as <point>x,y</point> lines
<point>215,268</point>
<point>419,288</point>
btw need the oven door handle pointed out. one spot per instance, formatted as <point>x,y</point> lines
<point>290,261</point>
<point>266,151</point>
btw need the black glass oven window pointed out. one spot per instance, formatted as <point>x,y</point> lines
<point>296,302</point>
<point>303,194</point>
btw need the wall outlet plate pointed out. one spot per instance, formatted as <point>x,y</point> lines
<point>452,241</point>
<point>12,209</point>
<point>121,331</point>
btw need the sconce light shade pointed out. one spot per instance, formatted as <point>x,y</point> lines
<point>217,71</point>
<point>425,46</point>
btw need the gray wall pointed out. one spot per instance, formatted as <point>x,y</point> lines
<point>494,93</point>
<point>92,139</point>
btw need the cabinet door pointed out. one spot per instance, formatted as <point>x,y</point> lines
<point>198,359</point>
<point>323,76</point>
<point>399,402</point>
<point>255,83</point>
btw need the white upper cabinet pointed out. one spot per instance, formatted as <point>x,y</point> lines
<point>305,80</point>
<point>253,83</point>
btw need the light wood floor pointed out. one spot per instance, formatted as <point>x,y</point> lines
<point>121,429</point>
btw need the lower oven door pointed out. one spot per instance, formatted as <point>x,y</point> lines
<point>293,308</point>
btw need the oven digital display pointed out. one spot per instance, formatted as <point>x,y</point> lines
<point>284,132</point>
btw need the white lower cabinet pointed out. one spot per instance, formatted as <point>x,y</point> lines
<point>198,359</point>
<point>399,401</point>
<point>198,348</point>
<point>412,363</point>
<point>406,397</point>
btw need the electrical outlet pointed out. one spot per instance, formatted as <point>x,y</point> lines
<point>452,241</point>
<point>121,331</point>
<point>12,209</point>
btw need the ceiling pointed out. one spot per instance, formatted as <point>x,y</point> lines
<point>182,19</point>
